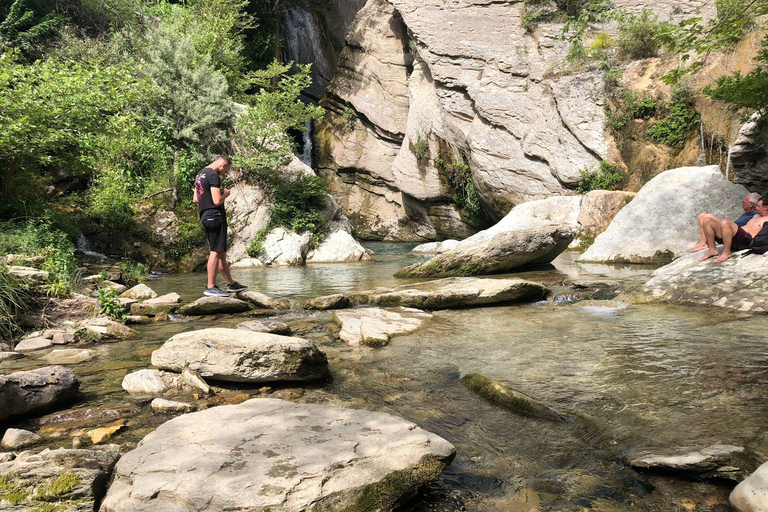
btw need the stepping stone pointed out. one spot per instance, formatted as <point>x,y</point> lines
<point>215,306</point>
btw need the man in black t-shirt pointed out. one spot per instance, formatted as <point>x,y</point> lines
<point>210,197</point>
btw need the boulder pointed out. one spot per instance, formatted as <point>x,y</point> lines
<point>278,456</point>
<point>338,246</point>
<point>499,254</point>
<point>269,326</point>
<point>661,221</point>
<point>144,382</point>
<point>248,212</point>
<point>751,495</point>
<point>248,263</point>
<point>739,283</point>
<point>107,329</point>
<point>36,391</point>
<point>261,301</point>
<point>374,326</point>
<point>68,356</point>
<point>139,292</point>
<point>63,338</point>
<point>335,301</point>
<point>163,405</point>
<point>435,247</point>
<point>71,480</point>
<point>242,356</point>
<point>127,303</point>
<point>137,319</point>
<point>598,208</point>
<point>15,439</point>
<point>117,287</point>
<point>32,344</point>
<point>282,247</point>
<point>456,292</point>
<point>193,379</point>
<point>151,307</point>
<point>718,462</point>
<point>215,306</point>
<point>28,274</point>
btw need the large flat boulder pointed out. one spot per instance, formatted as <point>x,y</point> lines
<point>739,283</point>
<point>242,356</point>
<point>375,326</point>
<point>268,454</point>
<point>455,292</point>
<point>661,221</point>
<point>751,495</point>
<point>215,306</point>
<point>67,480</point>
<point>499,254</point>
<point>38,390</point>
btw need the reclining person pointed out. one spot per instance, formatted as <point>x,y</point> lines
<point>749,204</point>
<point>732,236</point>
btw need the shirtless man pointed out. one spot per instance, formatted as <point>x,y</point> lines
<point>749,203</point>
<point>734,238</point>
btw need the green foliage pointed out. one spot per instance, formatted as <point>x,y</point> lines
<point>111,199</point>
<point>297,202</point>
<point>629,107</point>
<point>680,121</point>
<point>638,35</point>
<point>457,173</point>
<point>190,236</point>
<point>350,118</point>
<point>748,91</point>
<point>420,150</point>
<point>606,177</point>
<point>133,272</point>
<point>11,491</point>
<point>257,244</point>
<point>109,304</point>
<point>261,129</point>
<point>15,301</point>
<point>29,23</point>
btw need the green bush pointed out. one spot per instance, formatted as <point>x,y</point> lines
<point>457,173</point>
<point>638,35</point>
<point>420,150</point>
<point>350,118</point>
<point>15,301</point>
<point>109,304</point>
<point>748,91</point>
<point>297,202</point>
<point>133,272</point>
<point>606,177</point>
<point>257,244</point>
<point>681,119</point>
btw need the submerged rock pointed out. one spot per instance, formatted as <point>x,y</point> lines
<point>278,456</point>
<point>139,292</point>
<point>739,283</point>
<point>374,326</point>
<point>718,461</point>
<point>509,398</point>
<point>751,495</point>
<point>75,480</point>
<point>242,356</point>
<point>269,326</point>
<point>38,390</point>
<point>163,405</point>
<point>661,221</point>
<point>501,253</point>
<point>215,306</point>
<point>69,356</point>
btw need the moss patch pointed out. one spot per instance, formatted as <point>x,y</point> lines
<point>57,488</point>
<point>11,491</point>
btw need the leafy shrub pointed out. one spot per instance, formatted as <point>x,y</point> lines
<point>638,35</point>
<point>257,244</point>
<point>109,304</point>
<point>350,118</point>
<point>680,121</point>
<point>606,177</point>
<point>191,235</point>
<point>748,91</point>
<point>15,301</point>
<point>111,200</point>
<point>133,272</point>
<point>629,107</point>
<point>420,149</point>
<point>458,175</point>
<point>297,201</point>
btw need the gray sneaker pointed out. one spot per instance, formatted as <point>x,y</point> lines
<point>214,291</point>
<point>236,287</point>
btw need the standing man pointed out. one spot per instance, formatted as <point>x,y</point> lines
<point>210,197</point>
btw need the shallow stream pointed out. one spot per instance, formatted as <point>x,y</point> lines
<point>638,377</point>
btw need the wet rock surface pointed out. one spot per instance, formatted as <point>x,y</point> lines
<point>509,398</point>
<point>718,461</point>
<point>271,454</point>
<point>35,391</point>
<point>260,300</point>
<point>106,329</point>
<point>268,326</point>
<point>242,356</point>
<point>215,306</point>
<point>375,326</point>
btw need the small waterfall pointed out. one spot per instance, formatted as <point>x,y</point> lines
<point>305,44</point>
<point>306,148</point>
<point>84,247</point>
<point>728,160</point>
<point>702,159</point>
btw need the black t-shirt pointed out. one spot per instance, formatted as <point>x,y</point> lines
<point>205,180</point>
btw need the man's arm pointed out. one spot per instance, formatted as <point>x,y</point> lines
<point>219,195</point>
<point>194,197</point>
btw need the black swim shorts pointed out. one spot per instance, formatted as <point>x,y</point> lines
<point>215,226</point>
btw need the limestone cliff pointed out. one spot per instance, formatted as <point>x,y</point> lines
<point>426,86</point>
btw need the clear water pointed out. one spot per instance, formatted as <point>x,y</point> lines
<point>639,376</point>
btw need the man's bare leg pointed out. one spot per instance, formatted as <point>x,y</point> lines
<point>703,239</point>
<point>712,230</point>
<point>224,268</point>
<point>729,229</point>
<point>212,268</point>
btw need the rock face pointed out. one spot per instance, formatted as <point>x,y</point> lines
<point>36,390</point>
<point>374,326</point>
<point>660,222</point>
<point>242,356</point>
<point>75,480</point>
<point>717,461</point>
<point>737,283</point>
<point>751,495</point>
<point>750,156</point>
<point>423,86</point>
<point>248,211</point>
<point>215,306</point>
<point>278,456</point>
<point>501,253</point>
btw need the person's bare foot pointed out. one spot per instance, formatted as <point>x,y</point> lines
<point>723,257</point>
<point>710,254</point>
<point>698,247</point>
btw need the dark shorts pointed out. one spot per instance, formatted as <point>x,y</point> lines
<point>741,240</point>
<point>215,227</point>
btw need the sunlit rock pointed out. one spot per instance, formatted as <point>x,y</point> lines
<point>36,391</point>
<point>374,326</point>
